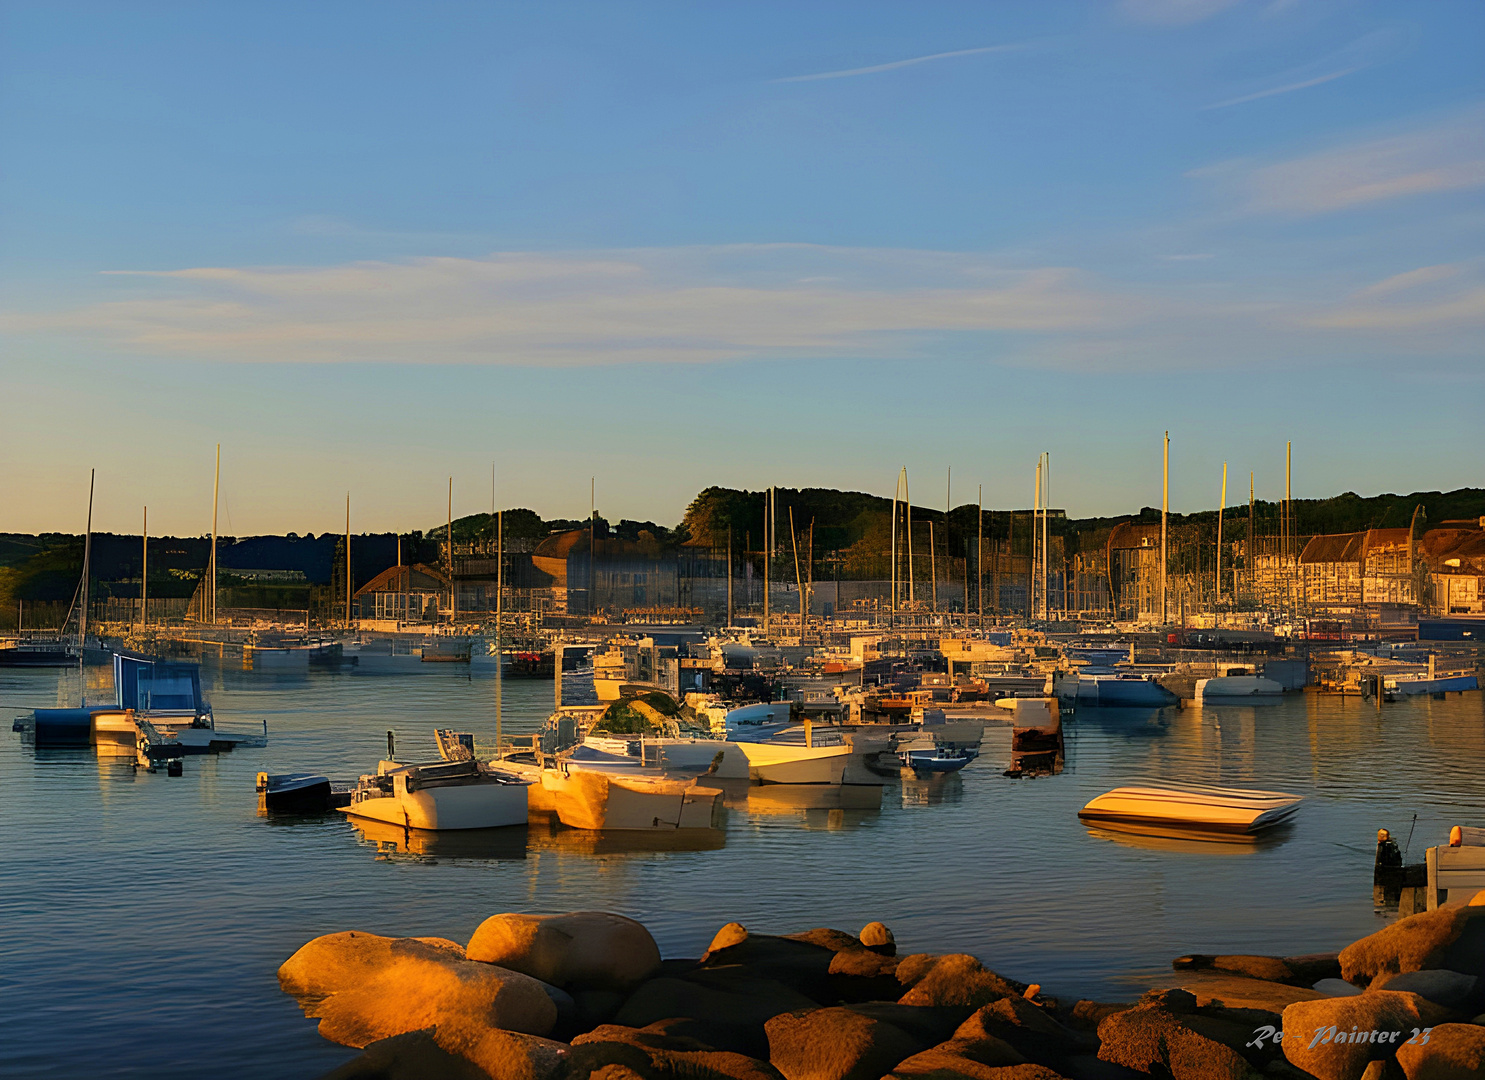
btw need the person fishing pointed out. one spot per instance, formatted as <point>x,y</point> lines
<point>1387,872</point>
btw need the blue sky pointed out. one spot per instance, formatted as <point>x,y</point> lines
<point>370,246</point>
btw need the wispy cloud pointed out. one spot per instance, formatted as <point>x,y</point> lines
<point>745,302</point>
<point>1440,299</point>
<point>1287,89</point>
<point>592,307</point>
<point>895,64</point>
<point>1444,157</point>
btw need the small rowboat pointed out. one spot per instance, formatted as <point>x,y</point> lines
<point>1185,809</point>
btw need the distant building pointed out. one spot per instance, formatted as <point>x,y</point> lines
<point>416,593</point>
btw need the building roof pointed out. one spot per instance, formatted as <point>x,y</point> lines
<point>419,577</point>
<point>1335,548</point>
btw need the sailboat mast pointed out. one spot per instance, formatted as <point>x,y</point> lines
<point>798,581</point>
<point>908,508</point>
<point>216,484</point>
<point>1164,513</point>
<point>1046,536</point>
<point>82,621</point>
<point>1220,507</point>
<point>144,573</point>
<point>892,604</point>
<point>347,559</point>
<point>453,589</point>
<point>768,555</point>
<point>980,560</point>
<point>932,565</point>
<point>729,575</point>
<point>1036,513</point>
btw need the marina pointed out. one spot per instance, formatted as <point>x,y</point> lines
<point>1356,767</point>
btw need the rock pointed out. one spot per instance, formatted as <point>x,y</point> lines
<point>863,975</point>
<point>659,1036</point>
<point>1441,986</point>
<point>452,1053</point>
<point>1150,1039</point>
<point>584,950</point>
<point>1268,968</point>
<point>732,934</point>
<point>1376,1070</point>
<point>1453,1052</point>
<point>1175,1001</point>
<point>730,1006</point>
<point>969,1059</point>
<point>800,965</point>
<point>1478,900</point>
<point>340,961</point>
<point>1087,1015</point>
<point>596,1007</point>
<point>834,940</point>
<point>1337,988</point>
<point>1026,1027</point>
<point>623,1053</point>
<point>955,979</point>
<point>836,1044</point>
<point>1240,992</point>
<point>1447,937</point>
<point>928,1026</point>
<point>414,993</point>
<point>1311,968</point>
<point>505,1055</point>
<point>1314,1030</point>
<point>413,1056</point>
<point>876,936</point>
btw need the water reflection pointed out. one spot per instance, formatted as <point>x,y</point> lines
<point>509,842</point>
<point>624,841</point>
<point>1170,838</point>
<point>933,790</point>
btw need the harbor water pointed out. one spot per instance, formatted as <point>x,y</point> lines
<point>143,917</point>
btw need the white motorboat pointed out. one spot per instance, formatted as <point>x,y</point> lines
<point>590,798</point>
<point>155,701</point>
<point>1191,809</point>
<point>771,762</point>
<point>441,795</point>
<point>680,754</point>
<point>1237,683</point>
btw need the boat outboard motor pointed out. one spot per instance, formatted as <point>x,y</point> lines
<point>1387,873</point>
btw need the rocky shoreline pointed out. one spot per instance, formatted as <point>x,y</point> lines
<point>587,995</point>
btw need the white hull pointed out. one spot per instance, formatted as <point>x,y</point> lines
<point>117,733</point>
<point>693,756</point>
<point>1212,810</point>
<point>775,763</point>
<point>1236,686</point>
<point>468,806</point>
<point>585,799</point>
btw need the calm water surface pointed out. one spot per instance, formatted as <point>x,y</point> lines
<point>142,917</point>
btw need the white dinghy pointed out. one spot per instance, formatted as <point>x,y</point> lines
<point>1190,809</point>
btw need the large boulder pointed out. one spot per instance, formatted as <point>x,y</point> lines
<point>799,964</point>
<point>1452,989</point>
<point>863,975</point>
<point>1268,968</point>
<point>730,1006</point>
<point>834,940</point>
<point>1452,1052</point>
<point>504,1055</point>
<point>956,979</point>
<point>340,961</point>
<point>413,1056</point>
<point>416,993</point>
<point>616,1052</point>
<point>1151,1039</point>
<point>1447,937</point>
<point>836,1044</point>
<point>876,936</point>
<point>583,950</point>
<point>1026,1027</point>
<point>1336,1038</point>
<point>1239,991</point>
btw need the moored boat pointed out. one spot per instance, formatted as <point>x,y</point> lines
<point>440,795</point>
<point>1187,808</point>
